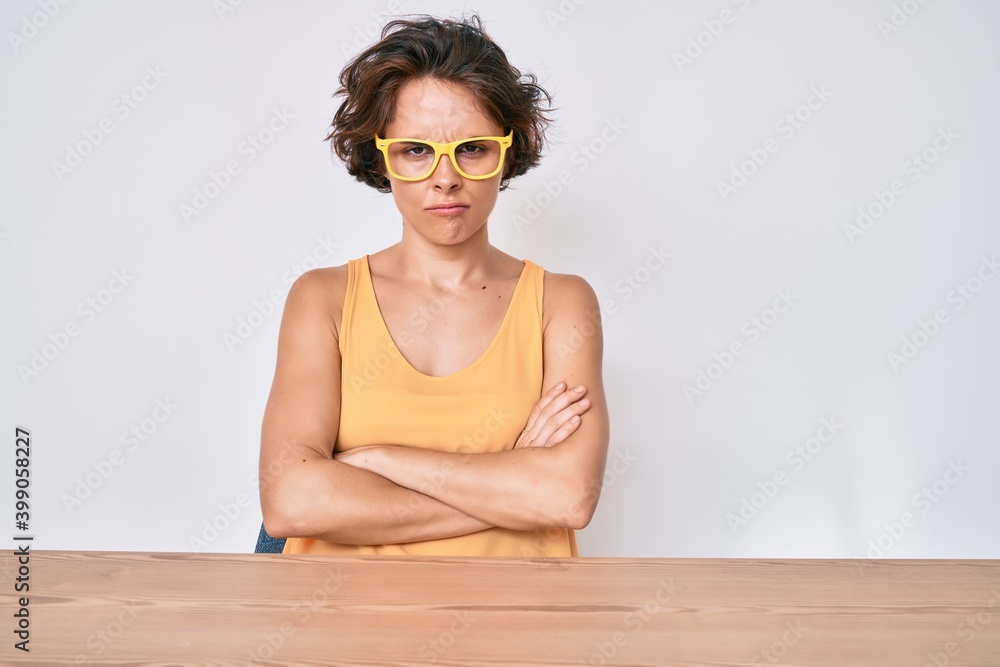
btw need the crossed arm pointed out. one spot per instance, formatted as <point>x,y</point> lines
<point>385,494</point>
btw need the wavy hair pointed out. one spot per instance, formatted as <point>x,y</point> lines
<point>455,51</point>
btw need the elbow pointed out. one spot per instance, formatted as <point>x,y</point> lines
<point>581,516</point>
<point>582,520</point>
<point>576,486</point>
<point>576,518</point>
<point>275,524</point>
<point>281,516</point>
<point>580,510</point>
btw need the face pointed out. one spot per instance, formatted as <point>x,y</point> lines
<point>444,112</point>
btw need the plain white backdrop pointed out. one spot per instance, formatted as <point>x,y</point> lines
<point>811,372</point>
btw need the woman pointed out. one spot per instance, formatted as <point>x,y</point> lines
<point>407,414</point>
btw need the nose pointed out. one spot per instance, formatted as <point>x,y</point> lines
<point>445,176</point>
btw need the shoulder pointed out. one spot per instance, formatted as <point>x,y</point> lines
<point>320,294</point>
<point>327,283</point>
<point>568,287</point>
<point>567,298</point>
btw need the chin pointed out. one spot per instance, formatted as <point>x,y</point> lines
<point>452,230</point>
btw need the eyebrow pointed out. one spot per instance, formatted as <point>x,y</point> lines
<point>470,136</point>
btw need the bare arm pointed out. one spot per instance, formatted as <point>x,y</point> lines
<point>304,492</point>
<point>532,487</point>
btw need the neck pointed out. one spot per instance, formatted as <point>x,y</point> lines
<point>443,266</point>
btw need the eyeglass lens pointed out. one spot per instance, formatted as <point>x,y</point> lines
<point>415,159</point>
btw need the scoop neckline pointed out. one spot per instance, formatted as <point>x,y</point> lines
<point>480,359</point>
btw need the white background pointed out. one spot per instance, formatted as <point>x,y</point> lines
<point>681,466</point>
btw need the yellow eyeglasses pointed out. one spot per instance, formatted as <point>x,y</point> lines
<point>476,158</point>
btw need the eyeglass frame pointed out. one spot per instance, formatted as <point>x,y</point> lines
<point>442,150</point>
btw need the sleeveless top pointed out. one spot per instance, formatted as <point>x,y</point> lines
<point>481,408</point>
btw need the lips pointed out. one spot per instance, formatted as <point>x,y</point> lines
<point>448,210</point>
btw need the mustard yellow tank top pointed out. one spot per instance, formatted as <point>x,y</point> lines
<point>481,408</point>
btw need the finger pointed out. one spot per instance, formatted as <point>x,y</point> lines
<point>552,403</point>
<point>565,431</point>
<point>556,405</point>
<point>557,421</point>
<point>543,402</point>
<point>560,434</point>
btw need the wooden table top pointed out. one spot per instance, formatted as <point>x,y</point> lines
<point>118,608</point>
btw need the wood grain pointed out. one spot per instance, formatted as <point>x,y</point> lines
<point>127,608</point>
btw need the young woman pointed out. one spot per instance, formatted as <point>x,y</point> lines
<point>439,396</point>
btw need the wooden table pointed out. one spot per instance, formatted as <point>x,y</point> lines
<point>117,608</point>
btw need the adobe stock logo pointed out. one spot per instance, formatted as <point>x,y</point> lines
<point>225,7</point>
<point>659,601</point>
<point>121,107</point>
<point>753,329</point>
<point>88,310</point>
<point>365,34</point>
<point>928,496</point>
<point>914,168</point>
<point>790,123</point>
<point>927,330</point>
<point>136,436</point>
<point>768,488</point>
<point>30,26</point>
<point>585,155</point>
<point>217,181</point>
<point>779,647</point>
<point>703,40</point>
<point>562,13</point>
<point>899,17</point>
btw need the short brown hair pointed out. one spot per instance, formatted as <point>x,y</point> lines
<point>456,51</point>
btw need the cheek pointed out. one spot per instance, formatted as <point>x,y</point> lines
<point>487,195</point>
<point>406,197</point>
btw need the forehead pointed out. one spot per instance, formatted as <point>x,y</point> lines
<point>437,110</point>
